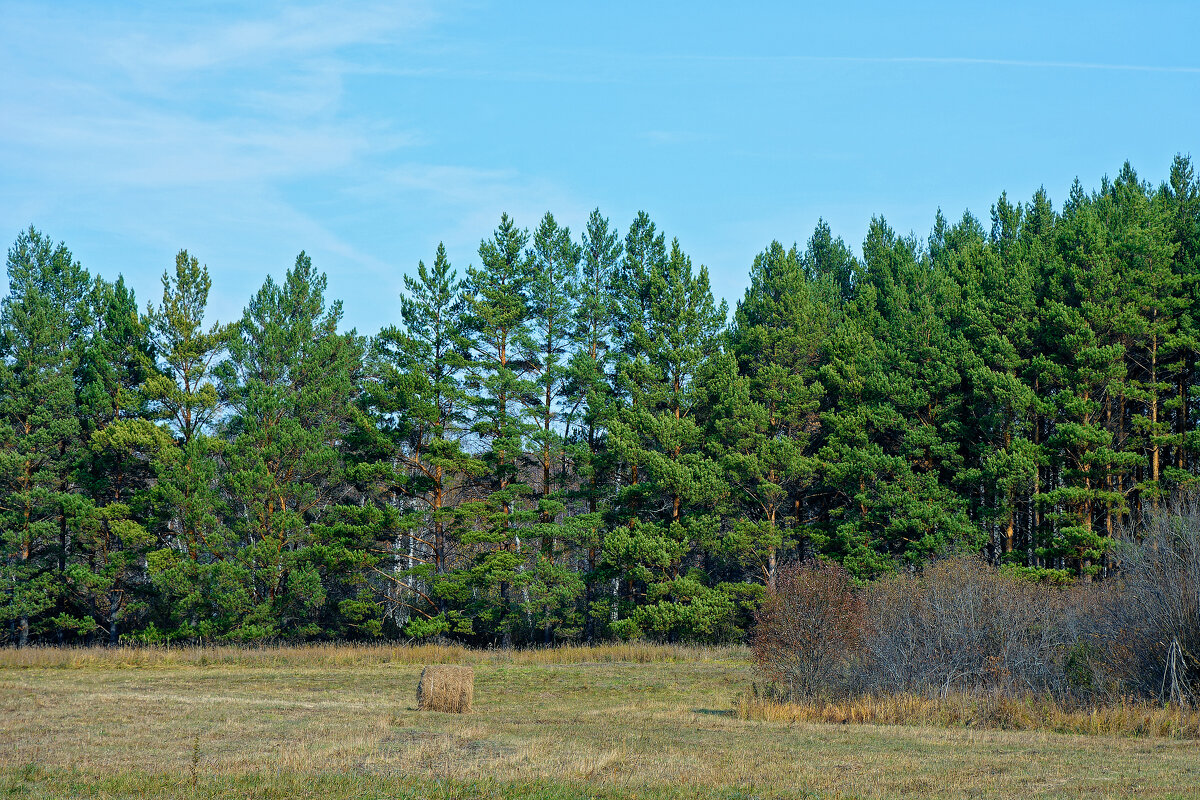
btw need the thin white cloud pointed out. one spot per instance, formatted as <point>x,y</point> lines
<point>673,137</point>
<point>1002,62</point>
<point>478,197</point>
<point>947,60</point>
<point>166,129</point>
<point>114,142</point>
<point>296,31</point>
<point>126,109</point>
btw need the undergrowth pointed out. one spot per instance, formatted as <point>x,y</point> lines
<point>1130,718</point>
<point>356,655</point>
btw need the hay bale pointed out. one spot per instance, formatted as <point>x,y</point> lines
<point>448,688</point>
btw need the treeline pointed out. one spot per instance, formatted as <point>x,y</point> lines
<point>573,440</point>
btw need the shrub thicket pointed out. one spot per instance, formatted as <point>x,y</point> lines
<point>1154,626</point>
<point>960,626</point>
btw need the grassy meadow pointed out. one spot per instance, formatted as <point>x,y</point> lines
<point>606,722</point>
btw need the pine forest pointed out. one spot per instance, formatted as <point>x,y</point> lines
<point>572,440</point>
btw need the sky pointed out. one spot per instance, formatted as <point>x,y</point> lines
<point>365,133</point>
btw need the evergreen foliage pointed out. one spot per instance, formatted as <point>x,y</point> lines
<point>575,440</point>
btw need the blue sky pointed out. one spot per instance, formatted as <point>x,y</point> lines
<point>366,133</point>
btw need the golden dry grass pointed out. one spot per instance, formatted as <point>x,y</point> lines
<point>322,724</point>
<point>446,687</point>
<point>1130,718</point>
<point>345,655</point>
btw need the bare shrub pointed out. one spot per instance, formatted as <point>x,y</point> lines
<point>1156,613</point>
<point>962,643</point>
<point>962,626</point>
<point>446,688</point>
<point>809,629</point>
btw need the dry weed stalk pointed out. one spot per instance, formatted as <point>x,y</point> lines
<point>998,711</point>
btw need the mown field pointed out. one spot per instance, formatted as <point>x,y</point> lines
<point>609,722</point>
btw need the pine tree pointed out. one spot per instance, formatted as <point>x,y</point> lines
<point>1179,200</point>
<point>415,459</point>
<point>1036,245</point>
<point>40,443</point>
<point>497,321</point>
<point>290,381</point>
<point>116,361</point>
<point>767,414</point>
<point>828,260</point>
<point>1084,373</point>
<point>591,394</point>
<point>891,449</point>
<point>632,294</point>
<point>992,314</point>
<point>183,392</point>
<point>1141,245</point>
<point>658,430</point>
<point>553,272</point>
<point>192,564</point>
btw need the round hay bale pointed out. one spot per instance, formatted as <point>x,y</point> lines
<point>444,687</point>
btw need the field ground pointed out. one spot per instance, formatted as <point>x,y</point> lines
<point>334,723</point>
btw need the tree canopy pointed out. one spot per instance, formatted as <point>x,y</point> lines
<point>573,439</point>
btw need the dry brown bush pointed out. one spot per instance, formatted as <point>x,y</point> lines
<point>448,688</point>
<point>961,625</point>
<point>963,643</point>
<point>958,626</point>
<point>809,629</point>
<point>1155,615</point>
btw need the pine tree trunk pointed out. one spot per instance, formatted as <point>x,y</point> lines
<point>1108,473</point>
<point>1010,494</point>
<point>771,554</point>
<point>62,546</point>
<point>1181,415</point>
<point>1155,445</point>
<point>23,620</point>
<point>589,588</point>
<point>439,535</point>
<point>114,607</point>
<point>1035,515</point>
<point>1009,529</point>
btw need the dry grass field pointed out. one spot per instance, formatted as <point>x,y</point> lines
<point>611,722</point>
